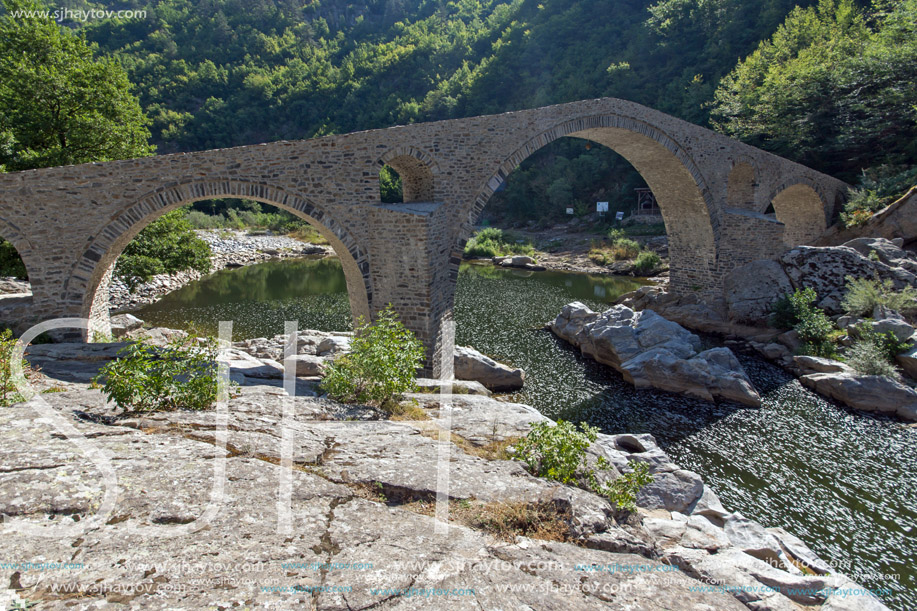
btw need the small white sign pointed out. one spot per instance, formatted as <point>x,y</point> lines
<point>601,206</point>
<point>569,210</point>
<point>619,216</point>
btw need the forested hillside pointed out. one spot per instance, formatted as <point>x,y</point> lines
<point>221,73</point>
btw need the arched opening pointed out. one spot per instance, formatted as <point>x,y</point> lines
<point>740,188</point>
<point>100,258</point>
<point>683,199</point>
<point>15,288</point>
<point>413,171</point>
<point>802,211</point>
<point>391,189</point>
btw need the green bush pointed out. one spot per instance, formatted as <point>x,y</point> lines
<point>889,345</point>
<point>646,263</point>
<point>815,329</point>
<point>870,359</point>
<point>789,309</point>
<point>864,294</point>
<point>558,452</point>
<point>165,246</point>
<point>380,365</point>
<point>146,378</point>
<point>493,242</point>
<point>8,392</point>
<point>624,249</point>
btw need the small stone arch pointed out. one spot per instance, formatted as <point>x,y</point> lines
<point>686,202</point>
<point>12,234</point>
<point>92,272</point>
<point>741,186</point>
<point>418,171</point>
<point>801,207</point>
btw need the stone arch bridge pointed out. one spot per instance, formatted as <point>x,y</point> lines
<point>70,223</point>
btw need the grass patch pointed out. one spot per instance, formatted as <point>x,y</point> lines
<point>504,520</point>
<point>405,410</point>
<point>493,242</point>
<point>308,233</point>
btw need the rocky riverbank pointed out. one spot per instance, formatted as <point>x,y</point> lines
<point>230,249</point>
<point>352,524</point>
<point>741,317</point>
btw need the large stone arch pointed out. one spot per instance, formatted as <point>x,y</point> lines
<point>418,171</point>
<point>686,202</point>
<point>93,269</point>
<point>799,204</point>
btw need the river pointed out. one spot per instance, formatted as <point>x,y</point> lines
<point>842,481</point>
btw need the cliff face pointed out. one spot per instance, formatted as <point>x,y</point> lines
<point>178,510</point>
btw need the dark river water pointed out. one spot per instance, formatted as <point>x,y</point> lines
<point>844,482</point>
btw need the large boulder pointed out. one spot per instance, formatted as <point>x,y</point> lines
<point>751,290</point>
<point>472,365</point>
<point>825,269</point>
<point>122,324</point>
<point>867,393</point>
<point>652,352</point>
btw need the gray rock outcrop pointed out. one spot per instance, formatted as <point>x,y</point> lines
<point>751,290</point>
<point>472,365</point>
<point>651,351</point>
<point>361,494</point>
<point>867,393</point>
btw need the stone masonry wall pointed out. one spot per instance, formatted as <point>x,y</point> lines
<point>71,223</point>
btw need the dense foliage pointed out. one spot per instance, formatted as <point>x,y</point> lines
<point>834,88</point>
<point>380,365</point>
<point>797,311</point>
<point>60,103</point>
<point>493,242</point>
<point>165,246</point>
<point>182,375</point>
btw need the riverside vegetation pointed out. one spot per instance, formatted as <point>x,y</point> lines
<point>870,352</point>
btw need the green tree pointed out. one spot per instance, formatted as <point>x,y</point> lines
<point>380,365</point>
<point>165,246</point>
<point>59,103</point>
<point>833,88</point>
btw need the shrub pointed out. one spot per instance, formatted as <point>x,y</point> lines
<point>815,329</point>
<point>558,452</point>
<point>878,188</point>
<point>646,263</point>
<point>870,359</point>
<point>201,220</point>
<point>9,394</point>
<point>624,249</point>
<point>147,378</point>
<point>864,294</point>
<point>887,343</point>
<point>789,309</point>
<point>380,365</point>
<point>493,242</point>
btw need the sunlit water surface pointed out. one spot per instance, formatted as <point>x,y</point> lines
<point>842,481</point>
